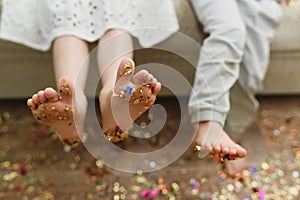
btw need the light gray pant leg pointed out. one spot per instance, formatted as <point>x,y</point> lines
<point>220,57</point>
<point>259,18</point>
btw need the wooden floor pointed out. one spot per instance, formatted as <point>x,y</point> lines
<point>35,165</point>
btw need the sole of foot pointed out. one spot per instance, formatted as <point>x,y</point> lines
<point>54,109</point>
<point>132,95</point>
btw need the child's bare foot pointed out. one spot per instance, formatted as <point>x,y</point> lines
<point>234,168</point>
<point>54,109</point>
<point>131,96</point>
<point>212,139</point>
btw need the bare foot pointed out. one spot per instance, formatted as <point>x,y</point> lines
<point>212,139</point>
<point>234,168</point>
<point>54,109</point>
<point>132,95</point>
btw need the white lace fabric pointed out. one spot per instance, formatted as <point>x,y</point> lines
<point>36,23</point>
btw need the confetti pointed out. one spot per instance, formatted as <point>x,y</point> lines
<point>25,176</point>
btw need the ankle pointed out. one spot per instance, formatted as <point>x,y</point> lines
<point>105,92</point>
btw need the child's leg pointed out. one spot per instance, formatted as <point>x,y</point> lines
<point>254,66</point>
<point>56,108</point>
<point>243,104</point>
<point>117,74</point>
<point>219,65</point>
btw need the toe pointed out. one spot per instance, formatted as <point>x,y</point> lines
<point>204,151</point>
<point>30,104</point>
<point>35,99</point>
<point>217,148</point>
<point>65,88</point>
<point>156,88</point>
<point>206,148</point>
<point>142,77</point>
<point>241,152</point>
<point>146,91</point>
<point>232,152</point>
<point>225,149</point>
<point>51,94</point>
<point>153,80</point>
<point>41,96</point>
<point>126,69</point>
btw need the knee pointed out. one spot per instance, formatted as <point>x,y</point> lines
<point>236,34</point>
<point>232,33</point>
<point>116,32</point>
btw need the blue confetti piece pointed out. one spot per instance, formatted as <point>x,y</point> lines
<point>128,90</point>
<point>5,171</point>
<point>220,178</point>
<point>253,170</point>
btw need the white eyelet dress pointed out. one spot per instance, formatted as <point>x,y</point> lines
<point>36,23</point>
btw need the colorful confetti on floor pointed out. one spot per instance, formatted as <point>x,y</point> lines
<point>35,165</point>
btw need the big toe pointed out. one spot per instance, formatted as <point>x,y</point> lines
<point>51,95</point>
<point>143,77</point>
<point>157,88</point>
<point>126,69</point>
<point>65,89</point>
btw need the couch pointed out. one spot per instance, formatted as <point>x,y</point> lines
<point>25,71</point>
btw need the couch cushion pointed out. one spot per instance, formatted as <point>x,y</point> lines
<point>288,31</point>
